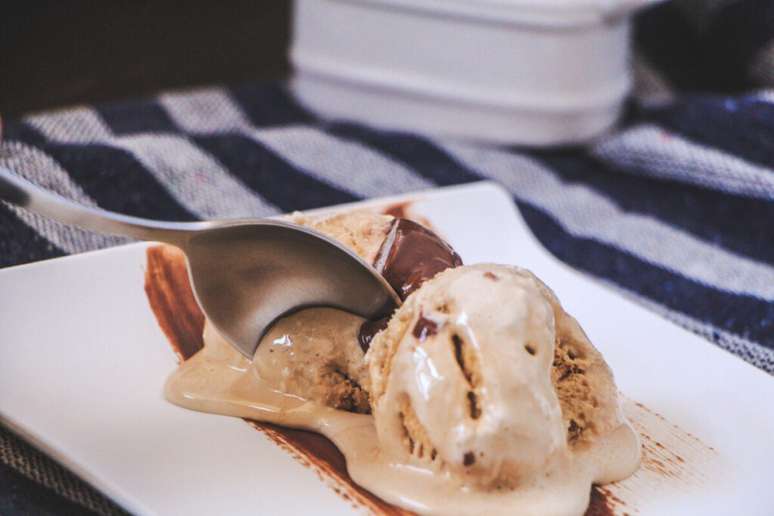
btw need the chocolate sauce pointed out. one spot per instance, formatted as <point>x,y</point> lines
<point>599,503</point>
<point>424,328</point>
<point>172,300</point>
<point>412,254</point>
<point>367,331</point>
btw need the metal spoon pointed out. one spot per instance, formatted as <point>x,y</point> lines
<point>244,273</point>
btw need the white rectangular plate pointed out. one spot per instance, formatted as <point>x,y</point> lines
<point>83,361</point>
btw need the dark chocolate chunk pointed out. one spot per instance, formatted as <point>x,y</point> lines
<point>411,255</point>
<point>424,328</point>
<point>367,331</point>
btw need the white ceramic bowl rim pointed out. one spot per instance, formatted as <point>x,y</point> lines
<point>551,13</point>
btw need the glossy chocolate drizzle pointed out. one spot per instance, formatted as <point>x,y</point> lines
<point>410,255</point>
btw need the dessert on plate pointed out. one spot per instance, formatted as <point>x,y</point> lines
<point>479,395</point>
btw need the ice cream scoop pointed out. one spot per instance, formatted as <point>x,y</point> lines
<point>461,378</point>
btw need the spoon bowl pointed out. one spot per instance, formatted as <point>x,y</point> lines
<point>247,275</point>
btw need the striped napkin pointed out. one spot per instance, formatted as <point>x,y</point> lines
<point>674,209</point>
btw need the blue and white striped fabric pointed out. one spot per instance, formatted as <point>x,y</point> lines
<point>676,209</point>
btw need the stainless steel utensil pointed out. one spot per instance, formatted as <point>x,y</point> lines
<point>245,273</point>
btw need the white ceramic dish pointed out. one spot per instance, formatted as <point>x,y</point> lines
<point>83,362</point>
<point>534,72</point>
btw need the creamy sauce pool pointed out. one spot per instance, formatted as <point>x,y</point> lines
<point>221,381</point>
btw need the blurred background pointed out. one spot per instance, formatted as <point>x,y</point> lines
<point>61,53</point>
<point>78,51</point>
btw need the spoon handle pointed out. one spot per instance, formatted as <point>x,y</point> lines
<point>24,194</point>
